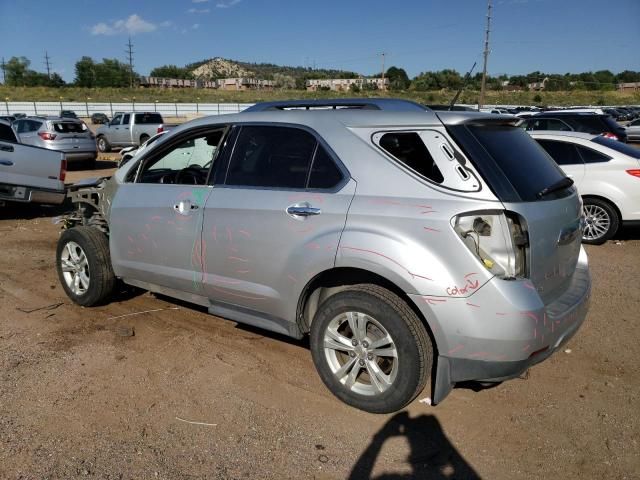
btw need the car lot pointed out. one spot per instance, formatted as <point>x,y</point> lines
<point>81,396</point>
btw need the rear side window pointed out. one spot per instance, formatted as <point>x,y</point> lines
<point>591,156</point>
<point>324,172</point>
<point>274,157</point>
<point>68,127</point>
<point>6,134</point>
<point>562,152</point>
<point>590,124</point>
<point>410,150</point>
<point>148,118</point>
<point>512,163</point>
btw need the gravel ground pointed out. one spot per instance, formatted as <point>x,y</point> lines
<point>176,393</point>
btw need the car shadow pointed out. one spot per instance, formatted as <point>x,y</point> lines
<point>99,165</point>
<point>432,456</point>
<point>30,211</point>
<point>628,233</point>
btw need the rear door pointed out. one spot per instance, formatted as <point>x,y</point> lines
<point>273,220</point>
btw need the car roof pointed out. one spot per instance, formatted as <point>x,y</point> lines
<point>387,104</point>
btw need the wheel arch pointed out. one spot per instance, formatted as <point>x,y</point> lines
<point>605,199</point>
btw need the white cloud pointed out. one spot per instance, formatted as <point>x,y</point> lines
<point>198,10</point>
<point>132,25</point>
<point>228,3</point>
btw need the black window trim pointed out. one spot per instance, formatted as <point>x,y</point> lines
<point>319,141</point>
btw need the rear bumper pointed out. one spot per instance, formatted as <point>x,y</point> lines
<point>15,193</point>
<point>503,329</point>
<point>80,156</point>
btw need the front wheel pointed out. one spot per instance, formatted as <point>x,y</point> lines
<point>601,221</point>
<point>370,349</point>
<point>84,265</point>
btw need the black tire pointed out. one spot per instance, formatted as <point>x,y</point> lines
<point>603,211</point>
<point>95,246</point>
<point>410,338</point>
<point>103,144</point>
<point>143,138</point>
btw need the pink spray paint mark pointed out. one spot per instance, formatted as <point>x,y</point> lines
<point>473,305</point>
<point>500,313</point>
<point>214,233</point>
<point>428,229</point>
<point>529,285</point>
<point>434,301</point>
<point>526,348</point>
<point>155,218</point>
<point>130,238</point>
<point>237,259</point>
<point>243,271</point>
<point>245,233</point>
<point>233,294</point>
<point>229,235</point>
<point>312,246</point>
<point>455,349</point>
<point>292,278</point>
<point>428,211</point>
<point>388,258</point>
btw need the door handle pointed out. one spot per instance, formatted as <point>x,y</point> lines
<point>185,207</point>
<point>6,163</point>
<point>303,210</point>
<point>6,148</point>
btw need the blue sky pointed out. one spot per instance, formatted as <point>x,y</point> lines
<point>555,36</point>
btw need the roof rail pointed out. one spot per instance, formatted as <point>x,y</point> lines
<point>387,104</point>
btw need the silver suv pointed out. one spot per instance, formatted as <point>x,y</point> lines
<point>408,244</point>
<point>68,135</point>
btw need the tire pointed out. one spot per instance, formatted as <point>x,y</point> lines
<point>103,144</point>
<point>602,221</point>
<point>344,367</point>
<point>143,138</point>
<point>91,264</point>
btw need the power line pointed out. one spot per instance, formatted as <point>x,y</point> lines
<point>130,55</point>
<point>47,63</point>
<point>486,56</point>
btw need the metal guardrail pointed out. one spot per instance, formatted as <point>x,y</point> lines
<point>86,109</point>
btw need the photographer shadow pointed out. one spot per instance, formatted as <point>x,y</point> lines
<point>431,455</point>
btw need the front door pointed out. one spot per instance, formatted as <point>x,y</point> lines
<point>156,219</point>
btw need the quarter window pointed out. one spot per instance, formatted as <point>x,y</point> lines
<point>591,156</point>
<point>410,150</point>
<point>275,157</point>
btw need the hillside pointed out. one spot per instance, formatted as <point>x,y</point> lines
<point>223,68</point>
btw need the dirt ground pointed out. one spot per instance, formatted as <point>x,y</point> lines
<point>189,395</point>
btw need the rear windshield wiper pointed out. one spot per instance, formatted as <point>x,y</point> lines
<point>566,182</point>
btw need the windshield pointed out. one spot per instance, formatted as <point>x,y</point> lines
<point>618,146</point>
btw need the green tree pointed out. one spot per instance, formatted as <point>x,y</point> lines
<point>398,78</point>
<point>15,71</point>
<point>85,72</point>
<point>171,71</point>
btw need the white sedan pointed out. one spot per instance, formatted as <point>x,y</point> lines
<point>607,174</point>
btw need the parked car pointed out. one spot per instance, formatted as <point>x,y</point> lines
<point>8,118</point>
<point>466,258</point>
<point>126,129</point>
<point>99,118</point>
<point>456,108</point>
<point>127,153</point>
<point>633,131</point>
<point>568,121</point>
<point>29,174</point>
<point>68,135</point>
<point>607,174</point>
<point>617,115</point>
<point>68,114</point>
<point>19,115</point>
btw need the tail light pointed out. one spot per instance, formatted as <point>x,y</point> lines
<point>47,135</point>
<point>634,172</point>
<point>160,129</point>
<point>497,239</point>
<point>63,170</point>
<point>610,135</point>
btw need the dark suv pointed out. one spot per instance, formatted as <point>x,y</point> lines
<point>576,122</point>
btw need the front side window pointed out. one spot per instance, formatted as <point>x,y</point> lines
<point>186,162</point>
<point>272,157</point>
<point>324,172</point>
<point>562,152</point>
<point>116,120</point>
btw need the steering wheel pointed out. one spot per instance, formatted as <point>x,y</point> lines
<point>192,171</point>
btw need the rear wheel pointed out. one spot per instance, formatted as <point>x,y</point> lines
<point>103,144</point>
<point>370,349</point>
<point>84,265</point>
<point>601,221</point>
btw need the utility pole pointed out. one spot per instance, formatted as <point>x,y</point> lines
<point>47,63</point>
<point>130,55</point>
<point>383,54</point>
<point>486,56</point>
<point>4,72</point>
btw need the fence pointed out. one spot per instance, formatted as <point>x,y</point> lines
<point>86,109</point>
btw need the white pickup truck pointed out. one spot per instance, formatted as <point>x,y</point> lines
<point>27,173</point>
<point>128,129</point>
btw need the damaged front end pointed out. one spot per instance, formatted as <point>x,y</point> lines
<point>92,201</point>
